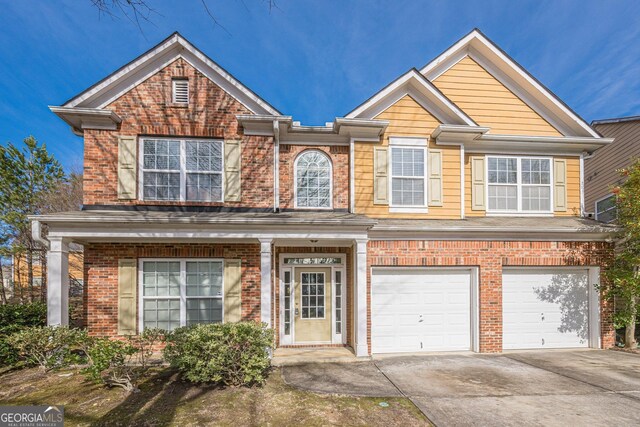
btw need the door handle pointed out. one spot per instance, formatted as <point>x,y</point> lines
<point>297,312</point>
<point>420,320</point>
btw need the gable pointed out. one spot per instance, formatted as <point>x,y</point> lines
<point>408,118</point>
<point>146,65</point>
<point>489,102</point>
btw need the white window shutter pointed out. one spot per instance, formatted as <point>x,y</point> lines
<point>232,166</point>
<point>232,290</point>
<point>127,167</point>
<point>127,296</point>
<point>381,176</point>
<point>435,178</point>
<point>559,185</point>
<point>478,180</point>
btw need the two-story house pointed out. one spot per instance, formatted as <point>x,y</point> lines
<point>444,213</point>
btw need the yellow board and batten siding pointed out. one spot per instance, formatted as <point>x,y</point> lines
<point>487,101</point>
<point>407,118</point>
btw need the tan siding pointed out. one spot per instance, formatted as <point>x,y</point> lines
<point>407,118</point>
<point>573,187</point>
<point>600,170</point>
<point>489,102</point>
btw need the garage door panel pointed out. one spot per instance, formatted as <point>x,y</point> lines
<point>545,309</point>
<point>427,310</point>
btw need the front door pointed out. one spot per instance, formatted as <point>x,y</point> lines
<point>312,306</point>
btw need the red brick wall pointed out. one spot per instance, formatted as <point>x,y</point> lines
<point>490,257</point>
<point>101,276</point>
<point>339,156</point>
<point>147,110</point>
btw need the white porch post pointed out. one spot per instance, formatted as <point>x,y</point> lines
<point>362,348</point>
<point>265,281</point>
<point>58,282</point>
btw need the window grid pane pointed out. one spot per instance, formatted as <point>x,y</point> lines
<point>313,180</point>
<point>407,176</point>
<point>166,177</point>
<point>513,181</point>
<point>313,303</point>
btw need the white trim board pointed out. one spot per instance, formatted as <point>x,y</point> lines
<point>149,63</point>
<point>513,76</point>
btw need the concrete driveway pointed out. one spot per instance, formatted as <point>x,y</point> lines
<point>521,389</point>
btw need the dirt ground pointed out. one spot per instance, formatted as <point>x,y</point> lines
<point>165,399</point>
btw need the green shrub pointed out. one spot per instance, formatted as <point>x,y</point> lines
<point>110,363</point>
<point>227,353</point>
<point>48,347</point>
<point>145,343</point>
<point>14,318</point>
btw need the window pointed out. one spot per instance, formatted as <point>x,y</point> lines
<point>181,292</point>
<point>180,91</point>
<point>407,176</point>
<point>313,180</point>
<point>312,295</point>
<point>519,184</point>
<point>606,209</point>
<point>166,176</point>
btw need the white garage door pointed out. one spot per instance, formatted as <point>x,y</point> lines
<point>545,308</point>
<point>420,310</point>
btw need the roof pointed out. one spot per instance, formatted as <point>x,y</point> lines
<point>180,217</point>
<point>175,46</point>
<point>615,120</point>
<point>497,227</point>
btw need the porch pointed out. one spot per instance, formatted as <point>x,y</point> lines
<point>302,274</point>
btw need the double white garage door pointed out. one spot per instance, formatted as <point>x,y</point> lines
<point>435,309</point>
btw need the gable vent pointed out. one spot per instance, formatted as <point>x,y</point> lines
<point>180,91</point>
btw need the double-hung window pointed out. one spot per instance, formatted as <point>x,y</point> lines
<point>180,293</point>
<point>519,184</point>
<point>408,176</point>
<point>182,170</point>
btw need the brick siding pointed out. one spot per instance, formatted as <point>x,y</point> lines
<point>491,257</point>
<point>101,276</point>
<point>147,110</point>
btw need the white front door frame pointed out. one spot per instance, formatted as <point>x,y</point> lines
<point>290,268</point>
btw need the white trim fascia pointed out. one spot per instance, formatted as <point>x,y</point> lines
<point>87,118</point>
<point>409,141</point>
<point>488,55</point>
<point>439,105</point>
<point>159,57</point>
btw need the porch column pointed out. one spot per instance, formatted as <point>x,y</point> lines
<point>265,281</point>
<point>360,300</point>
<point>58,282</point>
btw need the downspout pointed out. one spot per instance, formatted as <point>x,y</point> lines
<point>463,196</point>
<point>582,207</point>
<point>276,165</point>
<point>36,233</point>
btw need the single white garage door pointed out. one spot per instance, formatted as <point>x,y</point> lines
<point>420,309</point>
<point>545,308</point>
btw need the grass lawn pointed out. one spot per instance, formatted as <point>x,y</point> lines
<point>164,399</point>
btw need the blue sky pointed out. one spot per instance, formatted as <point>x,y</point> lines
<point>314,60</point>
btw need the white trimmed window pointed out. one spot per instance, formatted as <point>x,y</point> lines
<point>408,176</point>
<point>606,209</point>
<point>313,180</point>
<point>519,184</point>
<point>180,91</point>
<point>180,293</point>
<point>181,169</point>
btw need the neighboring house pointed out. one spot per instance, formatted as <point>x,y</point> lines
<point>444,213</point>
<point>20,273</point>
<point>601,169</point>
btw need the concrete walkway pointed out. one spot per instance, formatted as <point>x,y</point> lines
<point>549,388</point>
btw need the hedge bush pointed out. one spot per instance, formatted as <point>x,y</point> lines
<point>49,347</point>
<point>14,318</point>
<point>226,353</point>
